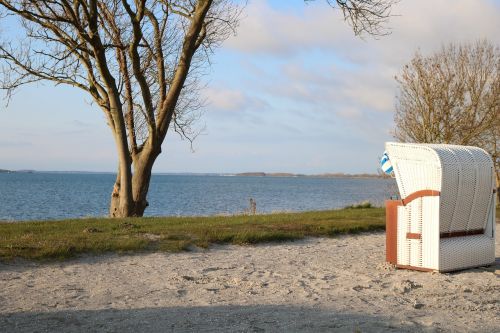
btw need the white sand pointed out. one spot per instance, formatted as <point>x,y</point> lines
<point>318,285</point>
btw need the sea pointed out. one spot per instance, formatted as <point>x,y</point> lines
<point>49,196</point>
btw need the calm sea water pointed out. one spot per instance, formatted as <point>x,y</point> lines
<point>28,196</point>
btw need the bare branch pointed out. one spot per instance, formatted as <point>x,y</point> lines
<point>365,16</point>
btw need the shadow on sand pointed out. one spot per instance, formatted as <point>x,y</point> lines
<point>260,318</point>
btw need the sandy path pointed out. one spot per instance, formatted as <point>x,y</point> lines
<point>338,284</point>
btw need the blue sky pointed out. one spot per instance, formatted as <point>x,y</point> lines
<point>294,91</point>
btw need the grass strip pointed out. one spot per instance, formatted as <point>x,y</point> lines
<point>49,240</point>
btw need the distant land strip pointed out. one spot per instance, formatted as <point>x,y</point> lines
<point>323,175</point>
<point>16,171</point>
<point>242,174</point>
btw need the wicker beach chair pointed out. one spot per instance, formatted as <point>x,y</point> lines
<point>445,220</point>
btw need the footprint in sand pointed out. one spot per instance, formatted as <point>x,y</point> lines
<point>361,287</point>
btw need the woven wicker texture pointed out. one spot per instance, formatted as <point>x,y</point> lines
<point>464,177</point>
<point>463,252</point>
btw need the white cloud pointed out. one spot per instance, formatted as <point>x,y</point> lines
<point>425,24</point>
<point>266,30</point>
<point>231,99</point>
<point>330,91</point>
<point>224,99</point>
<point>355,77</point>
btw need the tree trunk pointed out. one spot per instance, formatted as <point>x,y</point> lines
<point>142,164</point>
<point>121,204</point>
<point>121,197</point>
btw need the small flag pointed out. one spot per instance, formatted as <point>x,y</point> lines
<point>385,164</point>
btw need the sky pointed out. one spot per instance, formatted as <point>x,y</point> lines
<point>293,91</point>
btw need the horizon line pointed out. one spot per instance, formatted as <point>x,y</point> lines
<point>246,173</point>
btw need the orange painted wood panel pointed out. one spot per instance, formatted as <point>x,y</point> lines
<point>391,230</point>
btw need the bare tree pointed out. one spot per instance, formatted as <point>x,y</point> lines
<point>452,97</point>
<point>141,61</point>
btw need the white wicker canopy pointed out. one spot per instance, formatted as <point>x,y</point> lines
<point>446,219</point>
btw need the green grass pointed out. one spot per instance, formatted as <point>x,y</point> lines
<point>48,240</point>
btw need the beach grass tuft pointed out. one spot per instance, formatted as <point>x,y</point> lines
<point>57,240</point>
<point>362,205</point>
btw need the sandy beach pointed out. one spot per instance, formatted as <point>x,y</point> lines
<point>314,285</point>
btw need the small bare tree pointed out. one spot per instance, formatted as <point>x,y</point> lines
<point>452,97</point>
<point>141,63</point>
